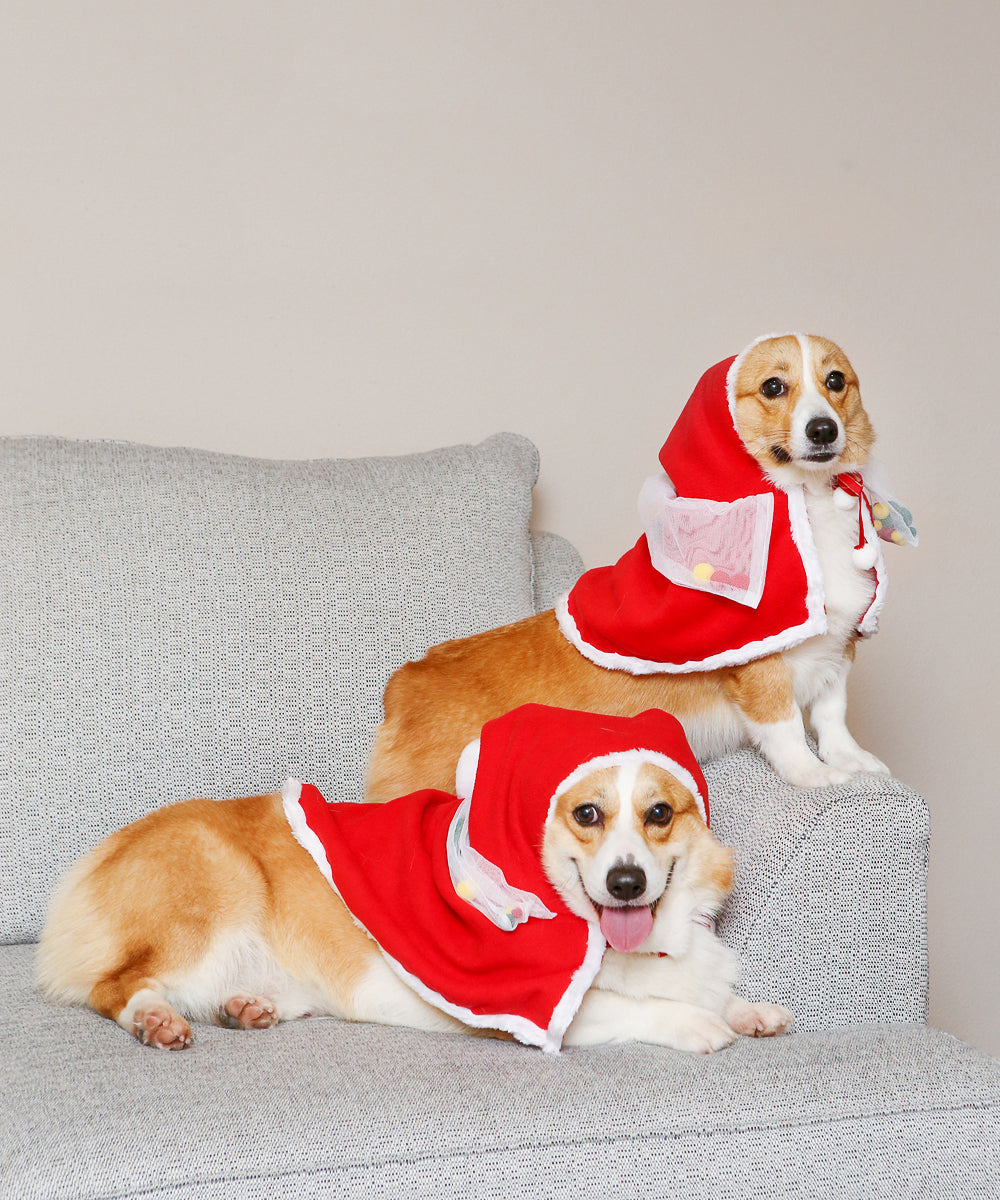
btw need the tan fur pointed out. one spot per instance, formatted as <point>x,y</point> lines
<point>710,864</point>
<point>765,423</point>
<point>142,911</point>
<point>435,706</point>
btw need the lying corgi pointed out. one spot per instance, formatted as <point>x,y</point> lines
<point>565,896</point>
<point>738,610</point>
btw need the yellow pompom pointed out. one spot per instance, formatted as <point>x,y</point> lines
<point>465,888</point>
<point>897,537</point>
<point>878,526</point>
<point>881,511</point>
<point>703,571</point>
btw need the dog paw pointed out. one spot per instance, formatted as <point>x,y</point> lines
<point>703,1033</point>
<point>856,761</point>
<point>839,749</point>
<point>757,1020</point>
<point>814,774</point>
<point>158,1025</point>
<point>247,1012</point>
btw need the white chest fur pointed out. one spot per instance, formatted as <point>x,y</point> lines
<point>848,591</point>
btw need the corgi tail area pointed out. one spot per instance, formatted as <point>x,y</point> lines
<point>205,911</point>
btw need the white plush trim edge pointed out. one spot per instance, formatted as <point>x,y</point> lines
<point>619,758</point>
<point>548,1039</point>
<point>815,623</point>
<point>291,795</point>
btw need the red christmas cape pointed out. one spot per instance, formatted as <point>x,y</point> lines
<point>629,616</point>
<point>524,969</point>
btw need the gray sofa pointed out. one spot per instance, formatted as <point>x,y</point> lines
<point>180,623</point>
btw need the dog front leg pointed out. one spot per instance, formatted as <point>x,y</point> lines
<point>762,691</point>
<point>605,1017</point>
<point>828,715</point>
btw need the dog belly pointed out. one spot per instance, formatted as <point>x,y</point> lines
<point>714,733</point>
<point>239,962</point>
<point>816,665</point>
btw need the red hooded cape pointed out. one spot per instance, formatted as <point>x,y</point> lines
<point>422,874</point>
<point>631,617</point>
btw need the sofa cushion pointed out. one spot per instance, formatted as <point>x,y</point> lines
<point>183,623</point>
<point>326,1108</point>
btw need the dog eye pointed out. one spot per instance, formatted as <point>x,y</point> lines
<point>835,381</point>
<point>659,814</point>
<point>587,814</point>
<point>773,388</point>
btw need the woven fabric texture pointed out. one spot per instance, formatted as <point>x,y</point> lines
<point>182,623</point>
<point>325,1108</point>
<point>828,911</point>
<point>558,566</point>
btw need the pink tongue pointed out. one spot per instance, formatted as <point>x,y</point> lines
<point>626,929</point>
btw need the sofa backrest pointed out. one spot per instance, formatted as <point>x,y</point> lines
<point>180,623</point>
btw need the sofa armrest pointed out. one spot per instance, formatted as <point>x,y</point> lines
<point>828,912</point>
<point>556,566</point>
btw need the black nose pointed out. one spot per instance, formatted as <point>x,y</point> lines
<point>821,431</point>
<point>626,883</point>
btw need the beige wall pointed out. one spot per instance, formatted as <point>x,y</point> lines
<point>322,228</point>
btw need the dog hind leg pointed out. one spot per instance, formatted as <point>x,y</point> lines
<point>248,1012</point>
<point>763,693</point>
<point>139,1006</point>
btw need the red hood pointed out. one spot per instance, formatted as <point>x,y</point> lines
<point>630,616</point>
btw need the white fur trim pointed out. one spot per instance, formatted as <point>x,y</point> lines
<point>526,1031</point>
<point>291,795</point>
<point>619,758</point>
<point>814,624</point>
<point>580,984</point>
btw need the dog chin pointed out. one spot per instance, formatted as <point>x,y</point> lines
<point>673,926</point>
<point>787,470</point>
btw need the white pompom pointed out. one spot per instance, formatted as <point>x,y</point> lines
<point>844,500</point>
<point>865,556</point>
<point>465,771</point>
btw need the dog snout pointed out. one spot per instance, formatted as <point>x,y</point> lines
<point>822,431</point>
<point>626,882</point>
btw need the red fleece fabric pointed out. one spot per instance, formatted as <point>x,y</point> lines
<point>631,610</point>
<point>389,863</point>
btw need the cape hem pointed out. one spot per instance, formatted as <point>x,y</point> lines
<point>813,625</point>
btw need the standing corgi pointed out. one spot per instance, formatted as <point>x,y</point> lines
<point>739,608</point>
